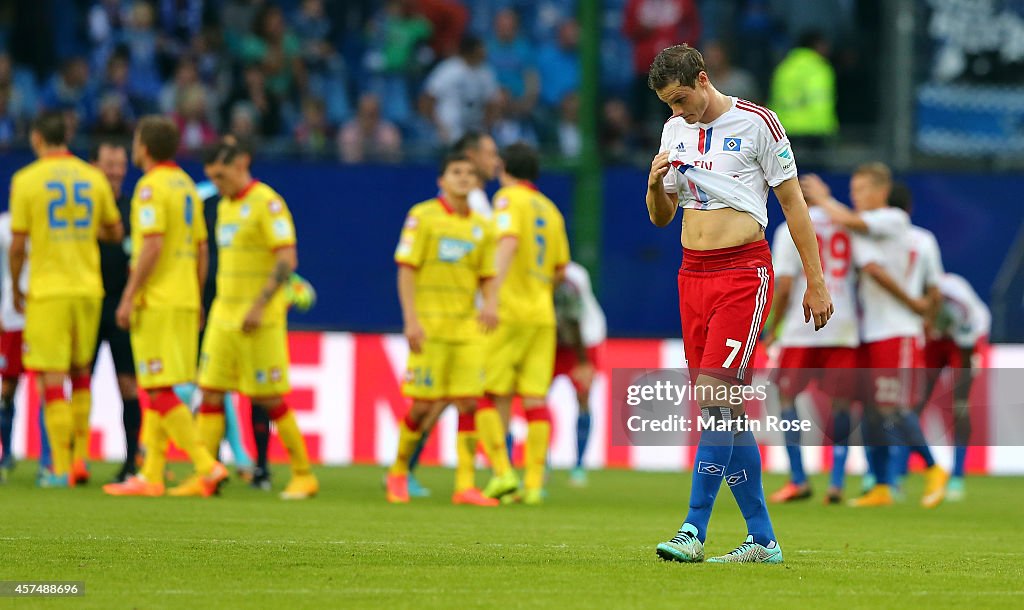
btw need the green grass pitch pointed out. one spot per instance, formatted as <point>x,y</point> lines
<point>586,548</point>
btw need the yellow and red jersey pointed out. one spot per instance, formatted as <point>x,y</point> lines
<point>250,227</point>
<point>451,253</point>
<point>523,212</point>
<point>166,203</point>
<point>59,201</point>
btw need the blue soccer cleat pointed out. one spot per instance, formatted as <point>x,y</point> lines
<point>751,552</point>
<point>415,489</point>
<point>48,480</point>
<point>684,547</point>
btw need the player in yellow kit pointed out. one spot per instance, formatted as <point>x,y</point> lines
<point>246,343</point>
<point>62,205</point>
<point>160,306</point>
<point>445,253</point>
<point>532,253</point>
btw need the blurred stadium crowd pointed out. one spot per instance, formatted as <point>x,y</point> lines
<point>392,80</point>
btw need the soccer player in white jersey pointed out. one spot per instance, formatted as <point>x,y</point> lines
<point>826,356</point>
<point>719,157</point>
<point>11,325</point>
<point>582,329</point>
<point>924,274</point>
<point>962,322</point>
<point>892,307</point>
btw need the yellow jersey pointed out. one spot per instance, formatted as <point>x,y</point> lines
<point>451,253</point>
<point>59,201</point>
<point>166,203</point>
<point>250,227</point>
<point>527,294</point>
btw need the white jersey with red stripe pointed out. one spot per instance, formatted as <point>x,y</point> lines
<point>886,243</point>
<point>963,316</point>
<point>729,162</point>
<point>9,317</point>
<point>593,325</point>
<point>840,278</point>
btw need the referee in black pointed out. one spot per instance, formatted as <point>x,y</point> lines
<point>111,158</point>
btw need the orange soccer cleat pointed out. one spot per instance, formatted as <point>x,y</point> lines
<point>79,472</point>
<point>791,492</point>
<point>935,479</point>
<point>134,486</point>
<point>202,485</point>
<point>474,497</point>
<point>398,488</point>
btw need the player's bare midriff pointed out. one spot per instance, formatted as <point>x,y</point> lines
<point>722,228</point>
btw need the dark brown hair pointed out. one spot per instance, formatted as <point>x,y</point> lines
<point>681,63</point>
<point>160,137</point>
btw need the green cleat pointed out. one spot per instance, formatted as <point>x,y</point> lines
<point>533,497</point>
<point>684,547</point>
<point>751,552</point>
<point>503,485</point>
<point>955,489</point>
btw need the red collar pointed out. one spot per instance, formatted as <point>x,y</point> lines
<point>58,154</point>
<point>529,185</point>
<point>167,164</point>
<point>448,207</point>
<point>242,193</point>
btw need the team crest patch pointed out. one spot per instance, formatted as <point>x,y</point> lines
<point>261,376</point>
<point>411,222</point>
<point>146,193</point>
<point>501,203</point>
<point>736,478</point>
<point>710,468</point>
<point>275,375</point>
<point>244,210</point>
<point>504,221</point>
<point>478,232</point>
<point>275,206</point>
<point>156,366</point>
<point>410,376</point>
<point>732,144</point>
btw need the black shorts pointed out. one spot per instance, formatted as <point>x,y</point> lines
<point>117,338</point>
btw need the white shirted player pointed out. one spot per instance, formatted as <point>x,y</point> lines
<point>892,299</point>
<point>826,356</point>
<point>730,162</point>
<point>582,329</point>
<point>10,345</point>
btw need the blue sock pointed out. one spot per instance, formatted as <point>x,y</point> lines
<point>582,436</point>
<point>233,433</point>
<point>743,476</point>
<point>414,459</point>
<point>840,448</point>
<point>915,439</point>
<point>508,445</point>
<point>45,459</point>
<point>6,427</point>
<point>899,462</point>
<point>959,458</point>
<point>714,451</point>
<point>796,461</point>
<point>878,462</point>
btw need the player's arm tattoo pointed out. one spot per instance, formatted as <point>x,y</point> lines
<point>282,271</point>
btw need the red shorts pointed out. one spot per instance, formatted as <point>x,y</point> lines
<point>724,298</point>
<point>831,367</point>
<point>566,361</point>
<point>892,363</point>
<point>942,353</point>
<point>10,354</point>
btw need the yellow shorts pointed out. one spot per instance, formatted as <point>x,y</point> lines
<point>445,370</point>
<point>60,332</point>
<point>520,360</point>
<point>255,363</point>
<point>164,342</point>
